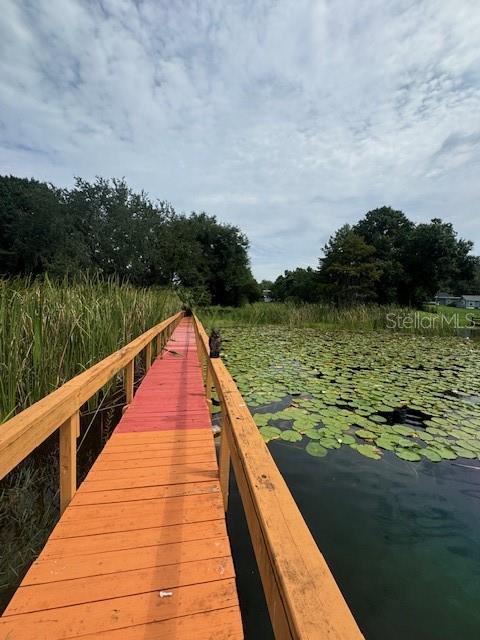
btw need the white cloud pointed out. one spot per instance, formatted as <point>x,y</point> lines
<point>287,118</point>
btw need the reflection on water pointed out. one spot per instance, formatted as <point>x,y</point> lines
<point>402,540</point>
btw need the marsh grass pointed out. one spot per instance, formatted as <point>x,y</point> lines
<point>50,332</point>
<point>357,318</point>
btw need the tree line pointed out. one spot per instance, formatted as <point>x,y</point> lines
<point>388,259</point>
<point>105,227</point>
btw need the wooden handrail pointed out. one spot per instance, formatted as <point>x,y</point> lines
<point>302,596</point>
<point>20,435</point>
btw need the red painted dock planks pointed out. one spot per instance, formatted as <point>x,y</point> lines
<point>172,395</point>
<point>148,519</point>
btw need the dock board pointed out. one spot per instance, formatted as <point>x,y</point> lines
<point>142,551</point>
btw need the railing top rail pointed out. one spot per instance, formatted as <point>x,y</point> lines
<point>308,603</point>
<point>25,431</point>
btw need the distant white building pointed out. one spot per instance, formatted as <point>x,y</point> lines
<point>469,302</point>
<point>267,295</point>
<point>446,299</point>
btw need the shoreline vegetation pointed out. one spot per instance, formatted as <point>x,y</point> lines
<point>437,321</point>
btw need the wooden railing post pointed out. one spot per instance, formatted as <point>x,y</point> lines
<point>224,460</point>
<point>128,380</point>
<point>159,345</point>
<point>68,460</point>
<point>208,385</point>
<point>148,356</point>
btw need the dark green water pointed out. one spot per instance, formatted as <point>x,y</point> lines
<point>402,540</point>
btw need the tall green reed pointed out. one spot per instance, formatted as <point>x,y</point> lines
<point>51,331</point>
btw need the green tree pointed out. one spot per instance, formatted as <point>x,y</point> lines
<point>299,285</point>
<point>349,269</point>
<point>265,285</point>
<point>121,229</point>
<point>105,227</point>
<point>221,260</point>
<point>436,258</point>
<point>37,231</point>
<point>475,284</point>
<point>388,231</point>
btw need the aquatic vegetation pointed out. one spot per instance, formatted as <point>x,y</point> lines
<point>413,397</point>
<point>444,321</point>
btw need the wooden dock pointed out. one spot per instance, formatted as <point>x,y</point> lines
<point>141,551</point>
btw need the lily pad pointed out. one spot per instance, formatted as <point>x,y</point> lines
<point>329,443</point>
<point>315,449</point>
<point>431,454</point>
<point>365,435</point>
<point>384,443</point>
<point>290,436</point>
<point>464,453</point>
<point>346,439</point>
<point>408,454</point>
<point>270,433</point>
<point>367,450</point>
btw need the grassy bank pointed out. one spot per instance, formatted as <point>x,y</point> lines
<point>49,332</point>
<point>359,318</point>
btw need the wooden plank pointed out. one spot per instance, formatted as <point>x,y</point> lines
<point>157,437</point>
<point>143,462</point>
<point>118,613</point>
<point>198,509</point>
<point>153,448</point>
<point>98,473</point>
<point>166,452</point>
<point>221,624</point>
<point>156,478</point>
<point>144,493</point>
<point>142,424</point>
<point>303,598</point>
<point>66,593</point>
<point>107,562</point>
<point>83,545</point>
<point>20,435</point>
<point>68,459</point>
<point>160,508</point>
<point>148,463</point>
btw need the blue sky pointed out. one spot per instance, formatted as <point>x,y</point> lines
<point>287,118</point>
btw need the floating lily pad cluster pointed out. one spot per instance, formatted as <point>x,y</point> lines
<point>416,397</point>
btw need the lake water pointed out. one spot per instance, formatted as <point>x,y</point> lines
<point>402,540</point>
<point>393,501</point>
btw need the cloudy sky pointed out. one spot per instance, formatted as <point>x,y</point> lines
<point>286,117</point>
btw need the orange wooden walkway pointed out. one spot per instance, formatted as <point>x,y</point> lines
<point>142,550</point>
